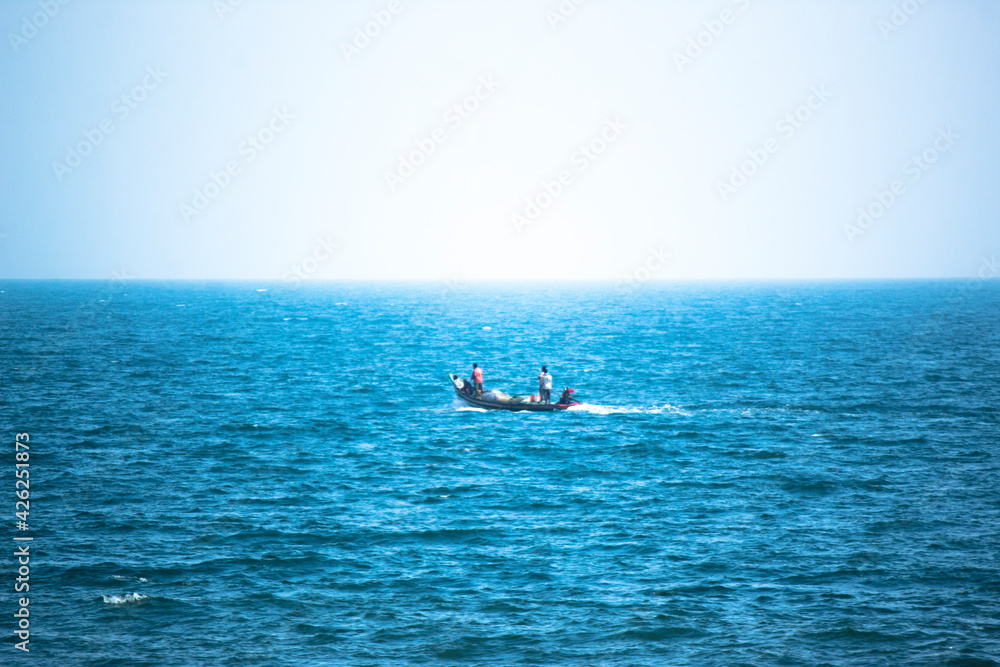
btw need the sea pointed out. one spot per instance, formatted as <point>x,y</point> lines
<point>259,473</point>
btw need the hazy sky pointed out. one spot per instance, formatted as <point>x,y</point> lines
<point>499,140</point>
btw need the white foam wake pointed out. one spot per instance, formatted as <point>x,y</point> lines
<point>628,410</point>
<point>124,599</point>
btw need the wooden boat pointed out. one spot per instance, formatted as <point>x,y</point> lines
<point>513,403</point>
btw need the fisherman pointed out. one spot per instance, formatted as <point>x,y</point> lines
<point>477,380</point>
<point>545,385</point>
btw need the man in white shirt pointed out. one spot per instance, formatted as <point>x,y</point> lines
<point>545,386</point>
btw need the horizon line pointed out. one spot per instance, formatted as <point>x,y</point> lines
<point>517,281</point>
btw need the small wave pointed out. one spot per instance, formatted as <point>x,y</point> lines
<point>766,454</point>
<point>128,598</point>
<point>628,410</point>
<point>262,290</point>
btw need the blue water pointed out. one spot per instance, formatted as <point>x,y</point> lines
<point>760,475</point>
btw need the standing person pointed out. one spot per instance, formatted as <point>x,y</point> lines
<point>544,385</point>
<point>477,380</point>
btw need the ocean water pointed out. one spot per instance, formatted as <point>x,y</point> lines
<point>256,474</point>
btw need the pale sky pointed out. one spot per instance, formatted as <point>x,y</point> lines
<point>535,140</point>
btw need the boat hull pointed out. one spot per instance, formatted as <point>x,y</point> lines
<point>509,407</point>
